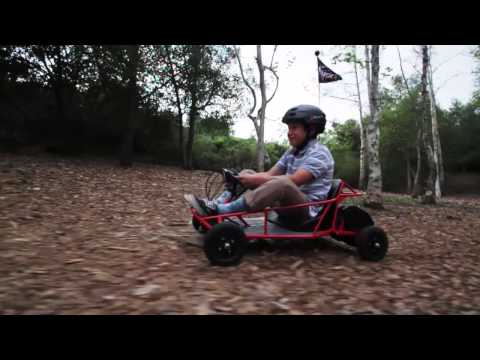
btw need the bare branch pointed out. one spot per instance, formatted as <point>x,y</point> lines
<point>49,71</point>
<point>210,96</point>
<point>274,50</point>
<point>401,69</point>
<point>341,98</point>
<point>255,123</point>
<point>237,55</point>
<point>445,82</point>
<point>446,61</point>
<point>173,80</point>
<point>276,77</point>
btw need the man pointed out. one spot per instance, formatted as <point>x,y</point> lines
<point>303,174</point>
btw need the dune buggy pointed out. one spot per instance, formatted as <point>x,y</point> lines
<point>226,236</point>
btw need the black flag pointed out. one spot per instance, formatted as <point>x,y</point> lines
<point>326,75</point>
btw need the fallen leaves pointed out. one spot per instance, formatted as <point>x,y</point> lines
<point>80,236</point>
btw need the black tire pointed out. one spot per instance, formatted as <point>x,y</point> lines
<point>225,244</point>
<point>372,243</point>
<point>353,219</point>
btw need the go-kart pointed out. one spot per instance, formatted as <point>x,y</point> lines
<point>226,236</point>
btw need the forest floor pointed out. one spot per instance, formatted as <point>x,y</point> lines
<point>89,237</point>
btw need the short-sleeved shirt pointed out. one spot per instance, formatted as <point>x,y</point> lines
<point>318,161</point>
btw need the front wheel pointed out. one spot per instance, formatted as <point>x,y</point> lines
<point>372,243</point>
<point>225,244</point>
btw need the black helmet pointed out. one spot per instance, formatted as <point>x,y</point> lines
<point>308,115</point>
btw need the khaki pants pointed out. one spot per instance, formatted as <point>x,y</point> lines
<point>280,191</point>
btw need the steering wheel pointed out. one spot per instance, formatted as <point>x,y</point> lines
<point>232,182</point>
<point>230,177</point>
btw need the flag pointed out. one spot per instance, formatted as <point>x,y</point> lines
<point>326,75</point>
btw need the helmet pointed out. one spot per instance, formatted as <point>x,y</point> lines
<point>308,115</point>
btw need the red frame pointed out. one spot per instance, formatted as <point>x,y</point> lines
<point>333,230</point>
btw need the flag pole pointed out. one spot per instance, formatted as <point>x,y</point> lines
<point>317,53</point>
<point>319,94</point>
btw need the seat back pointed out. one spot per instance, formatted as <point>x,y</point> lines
<point>334,188</point>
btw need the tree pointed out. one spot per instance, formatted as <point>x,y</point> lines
<point>59,67</point>
<point>417,187</point>
<point>168,62</point>
<point>343,140</point>
<point>374,187</point>
<point>476,54</point>
<point>437,148</point>
<point>362,182</point>
<point>208,80</point>
<point>430,195</point>
<point>197,78</point>
<point>400,110</point>
<point>258,120</point>
<point>131,126</point>
<point>350,56</point>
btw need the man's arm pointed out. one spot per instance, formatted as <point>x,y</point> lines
<point>299,178</point>
<point>255,180</point>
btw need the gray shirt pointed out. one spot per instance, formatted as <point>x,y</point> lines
<point>318,161</point>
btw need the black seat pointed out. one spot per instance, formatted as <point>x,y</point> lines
<point>333,192</point>
<point>310,224</point>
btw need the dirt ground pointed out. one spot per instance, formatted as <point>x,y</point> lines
<point>88,237</point>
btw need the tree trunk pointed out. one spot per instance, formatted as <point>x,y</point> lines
<point>181,142</point>
<point>195,63</point>
<point>417,184</point>
<point>58,89</point>
<point>178,101</point>
<point>437,149</point>
<point>374,188</point>
<point>362,179</point>
<point>126,152</point>
<point>430,193</point>
<point>191,136</point>
<point>261,113</point>
<point>60,104</point>
<point>409,173</point>
<point>369,77</point>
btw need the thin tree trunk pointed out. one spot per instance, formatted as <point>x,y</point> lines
<point>178,101</point>
<point>374,188</point>
<point>417,184</point>
<point>362,180</point>
<point>369,77</point>
<point>195,63</point>
<point>191,136</point>
<point>181,142</point>
<point>429,196</point>
<point>261,113</point>
<point>129,136</point>
<point>59,89</point>
<point>437,149</point>
<point>409,173</point>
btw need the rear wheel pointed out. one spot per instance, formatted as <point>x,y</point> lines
<point>353,219</point>
<point>372,243</point>
<point>225,244</point>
